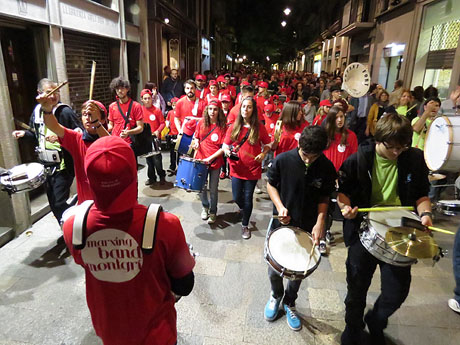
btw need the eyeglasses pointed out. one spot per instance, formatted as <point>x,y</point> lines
<point>392,148</point>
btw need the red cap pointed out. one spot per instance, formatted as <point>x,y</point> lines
<point>174,100</point>
<point>145,92</point>
<point>216,102</point>
<point>227,75</point>
<point>212,82</point>
<point>189,127</point>
<point>111,169</point>
<point>269,108</point>
<point>263,84</point>
<point>226,98</point>
<point>200,77</point>
<point>245,83</point>
<point>283,90</point>
<point>98,104</point>
<point>221,79</point>
<point>275,97</point>
<point>325,102</point>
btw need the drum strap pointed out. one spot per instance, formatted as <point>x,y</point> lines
<point>207,134</point>
<point>125,117</point>
<point>148,232</point>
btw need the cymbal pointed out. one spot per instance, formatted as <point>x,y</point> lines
<point>411,242</point>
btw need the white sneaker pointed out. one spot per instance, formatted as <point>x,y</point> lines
<point>454,305</point>
<point>212,218</point>
<point>204,213</point>
<point>257,190</point>
<point>322,247</point>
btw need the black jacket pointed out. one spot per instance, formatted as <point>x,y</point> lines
<point>355,181</point>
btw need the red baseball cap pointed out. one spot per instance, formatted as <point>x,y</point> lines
<point>227,75</point>
<point>226,98</point>
<point>221,79</point>
<point>200,77</point>
<point>245,83</point>
<point>263,84</point>
<point>283,89</point>
<point>212,82</point>
<point>325,102</point>
<point>216,102</point>
<point>269,107</point>
<point>145,92</point>
<point>174,100</point>
<point>111,169</point>
<point>101,106</point>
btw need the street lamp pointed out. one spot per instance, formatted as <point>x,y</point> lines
<point>287,11</point>
<point>283,23</point>
<point>268,58</point>
<point>167,20</point>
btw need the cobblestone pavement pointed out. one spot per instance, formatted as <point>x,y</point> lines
<point>42,291</point>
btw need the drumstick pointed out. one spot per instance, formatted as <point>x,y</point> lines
<point>309,258</point>
<point>91,84</point>
<point>383,209</point>
<point>24,125</point>
<point>441,230</point>
<point>56,88</point>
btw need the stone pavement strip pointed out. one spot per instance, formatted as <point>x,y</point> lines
<point>42,291</point>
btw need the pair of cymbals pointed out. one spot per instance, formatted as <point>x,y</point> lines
<point>411,242</point>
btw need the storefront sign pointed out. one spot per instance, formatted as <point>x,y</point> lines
<point>204,46</point>
<point>317,57</point>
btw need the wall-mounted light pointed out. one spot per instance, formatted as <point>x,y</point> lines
<point>283,23</point>
<point>167,20</point>
<point>287,11</point>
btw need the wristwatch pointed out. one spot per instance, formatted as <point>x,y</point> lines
<point>426,213</point>
<point>47,112</point>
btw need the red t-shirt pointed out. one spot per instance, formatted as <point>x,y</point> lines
<point>289,138</point>
<point>247,168</point>
<point>128,291</point>
<point>262,101</point>
<point>212,143</point>
<point>154,117</point>
<point>184,108</point>
<point>318,120</point>
<point>119,121</point>
<point>172,125</point>
<point>270,123</point>
<point>201,94</point>
<point>236,110</point>
<point>338,153</point>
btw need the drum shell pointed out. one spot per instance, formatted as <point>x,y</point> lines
<point>183,144</point>
<point>36,176</point>
<point>448,207</point>
<point>283,271</point>
<point>435,145</point>
<point>191,174</point>
<point>375,244</point>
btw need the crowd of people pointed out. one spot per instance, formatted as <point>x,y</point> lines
<point>304,131</point>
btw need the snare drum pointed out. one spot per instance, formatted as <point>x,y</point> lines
<point>287,251</point>
<point>372,236</point>
<point>191,174</point>
<point>156,148</point>
<point>183,144</point>
<point>24,178</point>
<point>448,207</point>
<point>442,144</point>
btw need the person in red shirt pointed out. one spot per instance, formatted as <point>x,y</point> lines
<point>94,118</point>
<point>244,141</point>
<point>244,83</point>
<point>293,123</point>
<point>209,137</point>
<point>213,91</point>
<point>231,88</point>
<point>172,136</point>
<point>129,289</point>
<point>324,107</point>
<point>342,142</point>
<point>154,117</point>
<point>247,91</point>
<point>262,97</point>
<point>201,89</point>
<point>226,101</point>
<point>125,114</point>
<point>270,117</point>
<point>278,105</point>
<point>190,107</point>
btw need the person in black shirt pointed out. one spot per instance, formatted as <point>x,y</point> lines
<point>300,182</point>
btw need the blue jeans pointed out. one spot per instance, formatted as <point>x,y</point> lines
<point>456,264</point>
<point>213,182</point>
<point>243,191</point>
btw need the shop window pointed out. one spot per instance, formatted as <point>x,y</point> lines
<point>445,36</point>
<point>131,11</point>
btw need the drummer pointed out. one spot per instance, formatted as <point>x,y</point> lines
<point>299,184</point>
<point>190,107</point>
<point>209,137</point>
<point>94,119</point>
<point>385,172</point>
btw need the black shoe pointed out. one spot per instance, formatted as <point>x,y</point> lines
<point>353,336</point>
<point>162,180</point>
<point>377,335</point>
<point>149,182</point>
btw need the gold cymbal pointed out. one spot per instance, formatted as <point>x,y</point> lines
<point>411,242</point>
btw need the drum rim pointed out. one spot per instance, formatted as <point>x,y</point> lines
<point>449,149</point>
<point>449,204</point>
<point>294,272</point>
<point>193,160</point>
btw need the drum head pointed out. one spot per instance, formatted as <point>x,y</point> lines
<point>291,247</point>
<point>356,80</point>
<point>29,170</point>
<point>381,221</point>
<point>453,203</point>
<point>436,143</point>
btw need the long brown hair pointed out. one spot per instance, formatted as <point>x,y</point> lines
<point>221,121</point>
<point>331,126</point>
<point>253,123</point>
<point>289,115</point>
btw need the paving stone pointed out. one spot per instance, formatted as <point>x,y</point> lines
<point>244,252</point>
<point>325,304</point>
<point>210,266</point>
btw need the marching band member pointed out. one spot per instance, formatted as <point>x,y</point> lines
<point>209,137</point>
<point>172,135</point>
<point>246,136</point>
<point>190,106</point>
<point>201,89</point>
<point>153,116</point>
<point>299,184</point>
<point>388,172</point>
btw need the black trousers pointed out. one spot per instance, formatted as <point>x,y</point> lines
<point>155,163</point>
<point>58,191</point>
<point>395,284</point>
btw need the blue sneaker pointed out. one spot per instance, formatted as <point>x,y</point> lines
<point>293,320</point>
<point>271,308</point>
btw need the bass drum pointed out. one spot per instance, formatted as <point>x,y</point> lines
<point>442,144</point>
